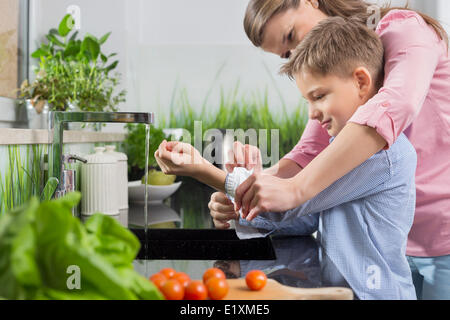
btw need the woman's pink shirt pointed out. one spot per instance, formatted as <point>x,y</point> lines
<point>415,99</point>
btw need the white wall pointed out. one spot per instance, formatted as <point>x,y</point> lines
<point>443,13</point>
<point>183,43</point>
<point>191,22</point>
<point>163,44</point>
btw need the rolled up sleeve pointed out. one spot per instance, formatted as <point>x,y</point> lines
<point>302,226</point>
<point>412,53</point>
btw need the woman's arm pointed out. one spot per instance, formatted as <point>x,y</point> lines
<point>351,147</point>
<point>284,169</point>
<point>412,51</point>
<point>264,193</point>
<point>313,141</point>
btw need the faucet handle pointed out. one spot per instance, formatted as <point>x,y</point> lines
<point>71,158</point>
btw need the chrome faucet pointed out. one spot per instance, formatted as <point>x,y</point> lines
<point>68,176</point>
<point>56,122</point>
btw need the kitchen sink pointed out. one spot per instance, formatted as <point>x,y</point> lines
<point>201,244</point>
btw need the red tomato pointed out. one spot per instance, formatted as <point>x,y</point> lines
<point>256,279</point>
<point>168,272</point>
<point>182,278</point>
<point>213,272</point>
<point>217,288</point>
<point>158,279</point>
<point>195,290</point>
<point>172,290</point>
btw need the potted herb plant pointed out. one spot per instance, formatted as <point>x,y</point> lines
<point>73,74</point>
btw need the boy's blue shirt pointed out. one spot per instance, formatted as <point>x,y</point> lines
<point>363,221</point>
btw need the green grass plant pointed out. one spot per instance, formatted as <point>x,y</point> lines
<point>23,177</point>
<point>238,111</point>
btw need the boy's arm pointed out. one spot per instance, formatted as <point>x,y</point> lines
<point>184,160</point>
<point>212,176</point>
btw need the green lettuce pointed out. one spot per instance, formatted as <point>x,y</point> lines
<point>41,242</point>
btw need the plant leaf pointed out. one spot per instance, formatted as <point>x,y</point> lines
<point>112,66</point>
<point>104,38</point>
<point>91,46</point>
<point>117,244</point>
<point>39,53</point>
<point>53,31</point>
<point>66,25</point>
<point>73,36</point>
<point>88,35</point>
<point>49,189</point>
<point>72,49</point>
<point>52,38</point>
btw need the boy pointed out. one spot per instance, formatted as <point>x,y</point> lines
<point>366,215</point>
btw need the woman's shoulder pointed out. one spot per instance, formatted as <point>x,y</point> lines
<point>400,29</point>
<point>400,16</point>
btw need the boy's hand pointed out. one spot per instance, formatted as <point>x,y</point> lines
<point>265,193</point>
<point>179,158</point>
<point>247,156</point>
<point>222,210</point>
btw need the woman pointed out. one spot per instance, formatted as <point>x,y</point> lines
<point>413,100</point>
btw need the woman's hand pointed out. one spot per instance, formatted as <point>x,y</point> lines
<point>222,210</point>
<point>246,156</point>
<point>265,193</point>
<point>179,158</point>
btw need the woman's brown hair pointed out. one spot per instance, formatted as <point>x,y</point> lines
<point>338,46</point>
<point>260,11</point>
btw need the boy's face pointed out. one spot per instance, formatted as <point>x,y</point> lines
<point>332,99</point>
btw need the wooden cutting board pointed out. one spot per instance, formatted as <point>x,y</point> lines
<point>276,291</point>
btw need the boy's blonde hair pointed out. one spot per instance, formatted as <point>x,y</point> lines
<point>338,46</point>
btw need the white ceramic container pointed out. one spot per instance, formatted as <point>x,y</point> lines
<point>121,176</point>
<point>98,184</point>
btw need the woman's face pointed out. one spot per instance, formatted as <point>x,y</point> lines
<point>285,30</point>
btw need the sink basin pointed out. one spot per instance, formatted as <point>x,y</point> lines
<point>201,244</point>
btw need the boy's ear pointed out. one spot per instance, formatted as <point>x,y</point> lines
<point>363,80</point>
